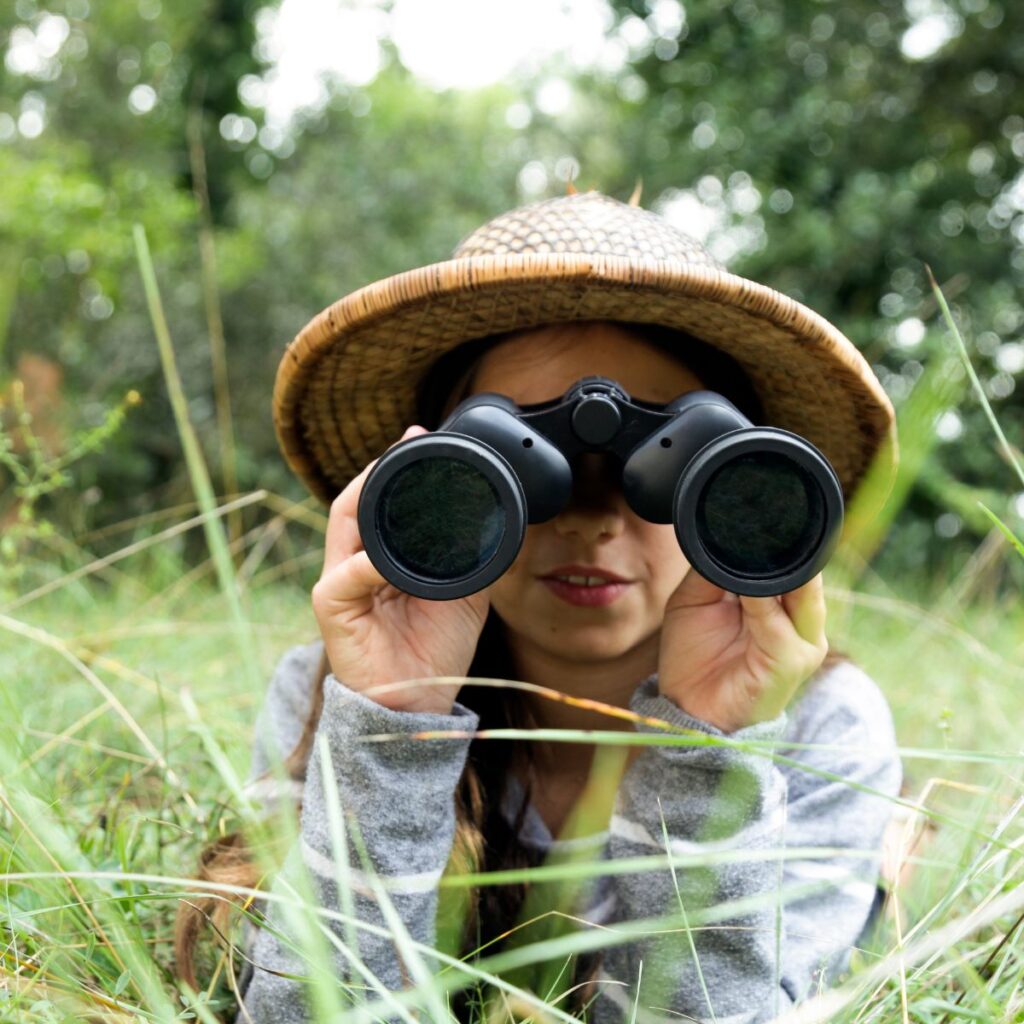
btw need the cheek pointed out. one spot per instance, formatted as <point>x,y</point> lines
<point>507,585</point>
<point>517,570</point>
<point>502,591</point>
<point>666,563</point>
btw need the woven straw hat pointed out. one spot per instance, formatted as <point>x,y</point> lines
<point>346,385</point>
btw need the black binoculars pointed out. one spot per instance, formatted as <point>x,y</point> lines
<point>756,510</point>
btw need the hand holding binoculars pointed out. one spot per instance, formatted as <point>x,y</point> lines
<point>756,510</point>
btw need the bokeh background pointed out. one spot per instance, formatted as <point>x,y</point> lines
<point>273,156</point>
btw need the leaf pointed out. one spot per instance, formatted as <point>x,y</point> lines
<point>122,983</point>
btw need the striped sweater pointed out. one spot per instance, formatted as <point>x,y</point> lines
<point>788,924</point>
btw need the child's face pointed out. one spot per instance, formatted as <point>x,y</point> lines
<point>597,528</point>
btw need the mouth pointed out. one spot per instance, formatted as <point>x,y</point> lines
<point>584,575</point>
<point>586,587</point>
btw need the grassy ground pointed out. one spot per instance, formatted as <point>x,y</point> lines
<point>127,710</point>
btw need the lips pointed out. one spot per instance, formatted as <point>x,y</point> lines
<point>586,596</point>
<point>584,575</point>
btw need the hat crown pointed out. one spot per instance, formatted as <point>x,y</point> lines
<point>585,223</point>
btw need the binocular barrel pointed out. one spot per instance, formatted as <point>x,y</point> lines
<point>756,510</point>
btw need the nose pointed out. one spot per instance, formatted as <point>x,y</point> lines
<point>596,506</point>
<point>596,478</point>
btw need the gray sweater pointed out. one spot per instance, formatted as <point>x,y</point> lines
<point>790,935</point>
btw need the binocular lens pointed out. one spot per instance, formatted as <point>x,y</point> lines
<point>760,513</point>
<point>440,518</point>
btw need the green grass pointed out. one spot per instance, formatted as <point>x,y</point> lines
<point>109,773</point>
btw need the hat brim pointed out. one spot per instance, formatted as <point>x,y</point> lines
<point>346,385</point>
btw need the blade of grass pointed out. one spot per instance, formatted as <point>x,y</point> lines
<point>112,922</point>
<point>302,912</point>
<point>10,263</point>
<point>820,1009</point>
<point>866,524</point>
<point>197,468</point>
<point>404,944</point>
<point>339,846</point>
<point>57,645</point>
<point>1006,531</point>
<point>945,490</point>
<point>1008,452</point>
<point>826,1008</point>
<point>211,300</point>
<point>131,549</point>
<point>686,924</point>
<point>220,760</point>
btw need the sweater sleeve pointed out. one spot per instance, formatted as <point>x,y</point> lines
<point>400,795</point>
<point>747,965</point>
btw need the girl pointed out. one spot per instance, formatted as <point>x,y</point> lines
<point>530,303</point>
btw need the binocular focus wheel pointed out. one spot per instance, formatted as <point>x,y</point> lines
<point>758,511</point>
<point>442,517</point>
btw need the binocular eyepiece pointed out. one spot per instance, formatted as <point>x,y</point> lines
<point>756,510</point>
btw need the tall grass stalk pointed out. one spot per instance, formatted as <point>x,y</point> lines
<point>197,466</point>
<point>1011,456</point>
<point>214,320</point>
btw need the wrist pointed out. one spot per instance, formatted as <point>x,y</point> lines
<point>403,699</point>
<point>726,719</point>
<point>649,702</point>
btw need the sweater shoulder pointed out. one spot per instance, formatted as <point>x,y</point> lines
<point>844,717</point>
<point>841,701</point>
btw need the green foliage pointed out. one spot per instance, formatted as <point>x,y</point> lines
<point>839,166</point>
<point>831,164</point>
<point>28,472</point>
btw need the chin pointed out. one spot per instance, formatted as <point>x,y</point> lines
<point>599,642</point>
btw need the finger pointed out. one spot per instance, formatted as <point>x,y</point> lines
<point>806,607</point>
<point>353,580</point>
<point>342,539</point>
<point>761,607</point>
<point>770,627</point>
